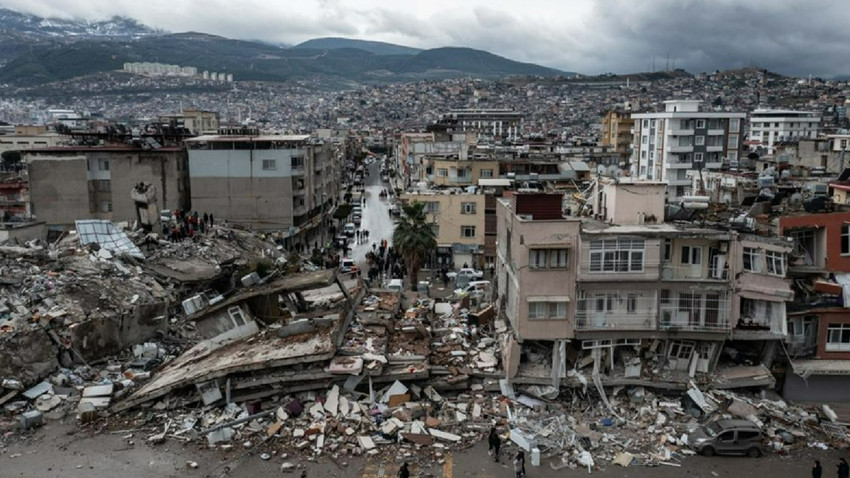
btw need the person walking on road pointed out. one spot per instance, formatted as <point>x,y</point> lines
<point>817,470</point>
<point>495,443</point>
<point>519,464</point>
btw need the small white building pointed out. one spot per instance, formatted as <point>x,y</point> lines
<point>768,126</point>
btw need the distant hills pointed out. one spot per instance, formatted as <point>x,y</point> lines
<point>37,50</point>
<point>373,47</point>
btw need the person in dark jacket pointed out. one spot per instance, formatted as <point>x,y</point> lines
<point>843,469</point>
<point>495,443</point>
<point>519,464</point>
<point>817,470</point>
<point>404,472</point>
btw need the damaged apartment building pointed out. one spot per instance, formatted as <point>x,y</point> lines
<point>625,298</point>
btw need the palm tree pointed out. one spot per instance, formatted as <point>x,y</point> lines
<point>413,238</point>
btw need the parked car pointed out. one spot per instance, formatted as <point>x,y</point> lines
<point>349,229</point>
<point>341,241</point>
<point>727,437</point>
<point>357,219</point>
<point>477,288</point>
<point>467,272</point>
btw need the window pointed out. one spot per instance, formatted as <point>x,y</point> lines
<point>644,139</point>
<point>297,162</point>
<point>686,140</point>
<point>462,173</point>
<point>699,140</point>
<point>734,124</point>
<point>547,310</point>
<point>683,124</point>
<point>631,303</point>
<point>269,164</point>
<point>692,255</point>
<point>668,249</point>
<point>103,165</point>
<point>432,207</point>
<point>733,141</point>
<point>752,259</point>
<point>845,239</point>
<point>467,208</point>
<point>467,231</point>
<point>700,124</point>
<point>617,255</point>
<point>775,262</point>
<point>838,338</point>
<point>104,186</point>
<point>436,229</point>
<point>486,173</point>
<point>236,316</point>
<point>697,157</point>
<point>547,258</point>
<point>442,172</point>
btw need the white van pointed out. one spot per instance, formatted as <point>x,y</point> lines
<point>396,285</point>
<point>478,288</point>
<point>349,229</point>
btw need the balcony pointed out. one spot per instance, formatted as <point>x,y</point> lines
<point>615,311</point>
<point>715,132</point>
<point>694,312</point>
<point>681,149</point>
<point>696,272</point>
<point>678,164</point>
<point>714,149</point>
<point>680,132</point>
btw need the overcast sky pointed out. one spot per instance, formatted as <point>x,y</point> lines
<point>587,36</point>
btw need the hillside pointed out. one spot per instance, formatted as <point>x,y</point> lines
<point>373,47</point>
<point>256,61</point>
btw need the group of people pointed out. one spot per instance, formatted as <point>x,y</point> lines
<point>384,260</point>
<point>361,236</point>
<point>843,469</point>
<point>495,443</point>
<point>187,224</point>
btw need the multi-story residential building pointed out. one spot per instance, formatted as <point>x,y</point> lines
<point>29,137</point>
<point>617,126</point>
<point>494,123</point>
<point>14,197</point>
<point>818,320</point>
<point>682,138</point>
<point>280,183</point>
<point>441,171</point>
<point>416,153</point>
<point>644,296</point>
<point>535,272</point>
<point>769,126</point>
<point>94,182</point>
<point>196,121</point>
<point>458,223</point>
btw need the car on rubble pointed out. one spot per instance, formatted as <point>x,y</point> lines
<point>347,265</point>
<point>467,272</point>
<point>727,437</point>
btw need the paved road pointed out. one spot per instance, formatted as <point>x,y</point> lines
<point>376,217</point>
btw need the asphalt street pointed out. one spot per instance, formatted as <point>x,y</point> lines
<point>376,217</point>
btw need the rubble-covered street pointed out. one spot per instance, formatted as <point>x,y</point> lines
<point>227,355</point>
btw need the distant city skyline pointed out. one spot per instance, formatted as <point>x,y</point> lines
<point>586,36</point>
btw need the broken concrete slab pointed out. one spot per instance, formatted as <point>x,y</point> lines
<point>445,436</point>
<point>332,401</point>
<point>397,388</point>
<point>98,391</point>
<point>38,390</point>
<point>365,442</point>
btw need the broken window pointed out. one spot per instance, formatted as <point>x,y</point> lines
<point>681,349</point>
<point>775,262</point>
<point>237,316</point>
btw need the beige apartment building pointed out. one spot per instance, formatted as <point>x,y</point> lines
<point>80,182</point>
<point>458,223</point>
<point>616,132</point>
<point>455,172</point>
<point>641,294</point>
<point>30,137</point>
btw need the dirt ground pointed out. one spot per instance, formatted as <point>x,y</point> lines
<point>65,450</point>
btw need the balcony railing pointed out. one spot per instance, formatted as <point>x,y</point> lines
<point>693,273</point>
<point>619,310</point>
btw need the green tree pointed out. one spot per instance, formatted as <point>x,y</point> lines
<point>413,238</point>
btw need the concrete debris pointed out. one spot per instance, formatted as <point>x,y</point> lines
<point>216,341</point>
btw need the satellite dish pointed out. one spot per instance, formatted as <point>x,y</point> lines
<point>612,170</point>
<point>600,169</point>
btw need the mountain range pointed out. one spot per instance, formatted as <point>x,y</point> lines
<point>35,50</point>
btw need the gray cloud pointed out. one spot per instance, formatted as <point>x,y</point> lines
<point>589,36</point>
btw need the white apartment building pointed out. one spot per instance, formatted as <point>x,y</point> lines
<point>681,138</point>
<point>768,127</point>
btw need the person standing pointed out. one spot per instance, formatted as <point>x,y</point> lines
<point>404,472</point>
<point>495,443</point>
<point>817,470</point>
<point>518,465</point>
<point>843,469</point>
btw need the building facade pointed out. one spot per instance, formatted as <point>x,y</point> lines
<point>770,126</point>
<point>616,132</point>
<point>275,183</point>
<point>77,182</point>
<point>459,225</point>
<point>681,138</point>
